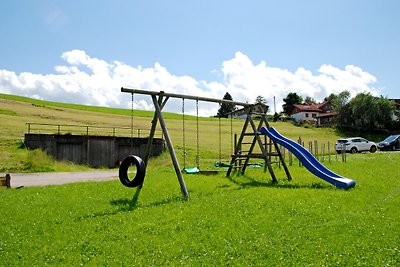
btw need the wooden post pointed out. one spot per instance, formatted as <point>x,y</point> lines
<point>283,162</point>
<point>8,180</point>
<point>300,142</point>
<point>343,152</point>
<point>329,152</point>
<point>170,146</point>
<point>237,147</point>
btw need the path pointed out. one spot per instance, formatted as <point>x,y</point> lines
<point>55,178</point>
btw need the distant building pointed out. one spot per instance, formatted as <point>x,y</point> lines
<point>320,114</point>
<point>257,108</point>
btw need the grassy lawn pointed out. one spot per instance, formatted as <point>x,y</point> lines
<point>236,221</point>
<point>240,221</point>
<point>16,111</point>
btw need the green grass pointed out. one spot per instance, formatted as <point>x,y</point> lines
<point>107,110</point>
<point>14,157</point>
<point>16,111</point>
<point>237,221</point>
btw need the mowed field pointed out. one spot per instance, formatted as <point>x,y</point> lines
<point>16,112</point>
<point>234,221</point>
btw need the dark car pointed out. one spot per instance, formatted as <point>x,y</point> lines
<point>390,143</point>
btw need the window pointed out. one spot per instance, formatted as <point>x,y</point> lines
<point>306,115</point>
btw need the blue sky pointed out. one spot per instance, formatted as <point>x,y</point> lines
<point>84,51</point>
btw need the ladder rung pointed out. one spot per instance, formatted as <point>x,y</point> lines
<point>245,156</point>
<point>237,167</point>
<point>250,134</point>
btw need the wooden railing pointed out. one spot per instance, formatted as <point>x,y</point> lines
<point>72,129</point>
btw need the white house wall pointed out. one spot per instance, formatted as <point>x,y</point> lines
<point>302,116</point>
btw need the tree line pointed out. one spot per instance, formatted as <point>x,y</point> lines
<point>363,112</point>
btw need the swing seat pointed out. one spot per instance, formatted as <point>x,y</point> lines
<point>191,170</point>
<point>255,165</point>
<point>222,164</point>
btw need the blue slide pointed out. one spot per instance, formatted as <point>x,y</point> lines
<point>308,160</point>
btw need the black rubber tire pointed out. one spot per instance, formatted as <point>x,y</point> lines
<point>140,171</point>
<point>372,149</point>
<point>353,150</point>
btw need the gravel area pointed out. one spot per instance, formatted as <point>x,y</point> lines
<point>54,178</point>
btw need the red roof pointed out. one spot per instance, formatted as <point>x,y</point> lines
<point>310,107</point>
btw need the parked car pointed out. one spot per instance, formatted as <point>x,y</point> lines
<point>390,143</point>
<point>355,144</point>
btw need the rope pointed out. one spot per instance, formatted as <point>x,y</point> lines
<point>232,133</point>
<point>132,116</point>
<point>197,135</point>
<point>131,141</point>
<point>183,133</point>
<point>220,139</point>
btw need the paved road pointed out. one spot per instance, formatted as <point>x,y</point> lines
<point>54,178</point>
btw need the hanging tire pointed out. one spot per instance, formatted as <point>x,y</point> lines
<point>140,171</point>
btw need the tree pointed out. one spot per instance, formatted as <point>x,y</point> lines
<point>261,100</point>
<point>340,100</point>
<point>290,100</point>
<point>367,112</point>
<point>309,100</point>
<point>226,108</point>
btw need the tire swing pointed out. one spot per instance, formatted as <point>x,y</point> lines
<point>140,171</point>
<point>132,160</point>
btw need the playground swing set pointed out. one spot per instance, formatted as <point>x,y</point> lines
<point>240,157</point>
<point>239,160</point>
<point>197,169</point>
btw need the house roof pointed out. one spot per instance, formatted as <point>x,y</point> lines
<point>396,102</point>
<point>259,107</point>
<point>311,107</point>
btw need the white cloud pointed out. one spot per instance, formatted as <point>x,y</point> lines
<point>87,80</point>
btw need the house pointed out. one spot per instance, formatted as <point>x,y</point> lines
<point>326,119</point>
<point>257,108</point>
<point>320,114</point>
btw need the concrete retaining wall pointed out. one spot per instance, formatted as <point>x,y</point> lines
<point>95,151</point>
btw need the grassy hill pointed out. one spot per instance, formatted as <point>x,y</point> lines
<point>17,111</point>
<point>235,221</point>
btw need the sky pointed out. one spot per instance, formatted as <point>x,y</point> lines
<point>84,51</point>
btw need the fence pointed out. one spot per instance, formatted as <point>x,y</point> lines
<point>71,129</point>
<point>324,152</point>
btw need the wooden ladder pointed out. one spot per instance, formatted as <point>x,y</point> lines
<point>240,158</point>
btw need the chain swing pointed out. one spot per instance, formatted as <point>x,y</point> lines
<point>191,170</point>
<point>220,163</point>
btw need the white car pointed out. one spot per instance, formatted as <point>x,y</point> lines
<point>354,145</point>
